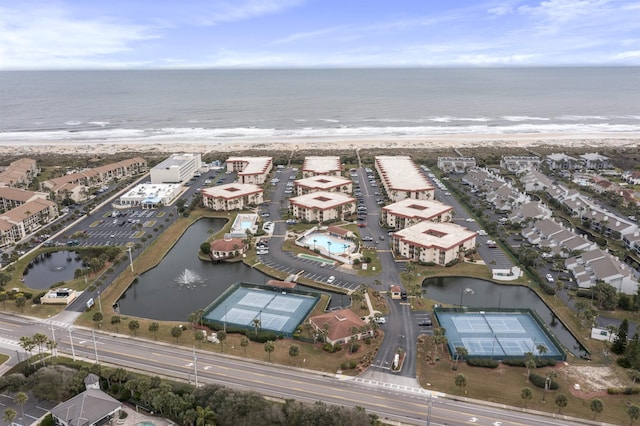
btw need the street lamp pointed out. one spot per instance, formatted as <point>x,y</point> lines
<point>54,350</point>
<point>465,291</point>
<point>130,258</point>
<point>73,351</point>
<point>329,247</point>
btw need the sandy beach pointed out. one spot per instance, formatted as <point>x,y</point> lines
<point>84,147</point>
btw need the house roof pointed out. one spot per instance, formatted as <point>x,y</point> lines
<point>227,245</point>
<point>340,323</point>
<point>86,408</point>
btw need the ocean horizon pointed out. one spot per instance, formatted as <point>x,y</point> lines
<point>300,104</point>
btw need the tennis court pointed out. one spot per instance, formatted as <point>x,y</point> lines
<point>497,334</point>
<point>246,305</point>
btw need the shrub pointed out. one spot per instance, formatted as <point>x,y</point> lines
<point>353,364</point>
<point>262,336</point>
<point>483,362</point>
<point>355,347</point>
<point>367,340</point>
<point>624,391</point>
<point>329,347</point>
<point>539,381</point>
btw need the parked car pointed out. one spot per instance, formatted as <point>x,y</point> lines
<point>331,279</point>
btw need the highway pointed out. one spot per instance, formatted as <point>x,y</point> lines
<point>398,403</point>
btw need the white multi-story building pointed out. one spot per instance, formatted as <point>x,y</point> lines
<point>402,179</point>
<point>178,168</point>
<point>321,166</point>
<point>430,242</point>
<point>326,183</point>
<point>408,212</point>
<point>232,196</point>
<point>322,206</point>
<point>597,265</point>
<point>25,219</point>
<point>251,170</point>
<point>595,161</point>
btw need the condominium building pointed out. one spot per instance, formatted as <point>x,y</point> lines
<point>232,196</point>
<point>250,170</point>
<point>321,166</point>
<point>408,212</point>
<point>402,179</point>
<point>322,206</point>
<point>430,242</point>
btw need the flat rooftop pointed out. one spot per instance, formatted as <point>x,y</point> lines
<point>323,182</point>
<point>432,234</point>
<point>322,165</point>
<point>322,200</point>
<point>231,190</point>
<point>401,173</point>
<point>417,209</point>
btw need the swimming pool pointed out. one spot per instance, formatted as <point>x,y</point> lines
<point>328,243</point>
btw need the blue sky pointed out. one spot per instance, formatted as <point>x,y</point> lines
<point>132,34</point>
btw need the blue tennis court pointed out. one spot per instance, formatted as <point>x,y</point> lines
<point>244,305</point>
<point>497,334</point>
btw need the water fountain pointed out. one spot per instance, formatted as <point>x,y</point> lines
<point>189,279</point>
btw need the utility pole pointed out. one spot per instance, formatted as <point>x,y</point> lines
<point>73,351</point>
<point>195,366</point>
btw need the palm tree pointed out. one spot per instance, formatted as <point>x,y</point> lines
<point>9,415</point>
<point>461,352</point>
<point>154,327</point>
<point>460,381</point>
<point>205,416</point>
<point>596,405</point>
<point>244,342</point>
<point>542,349</point>
<point>294,351</point>
<point>633,412</point>
<point>40,340</point>
<point>115,321</point>
<point>530,363</point>
<point>222,337</point>
<point>256,323</point>
<point>28,345</point>
<point>561,401</point>
<point>269,346</point>
<point>526,394</point>
<point>134,326</point>
<point>176,332</point>
<point>21,399</point>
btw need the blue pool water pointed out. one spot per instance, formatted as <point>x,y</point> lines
<point>328,243</point>
<point>246,225</point>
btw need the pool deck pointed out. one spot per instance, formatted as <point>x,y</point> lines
<point>134,418</point>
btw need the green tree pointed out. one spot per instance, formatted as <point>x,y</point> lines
<point>40,341</point>
<point>606,295</point>
<point>205,416</point>
<point>529,363</point>
<point>21,301</point>
<point>256,324</point>
<point>115,321</point>
<point>269,346</point>
<point>9,415</point>
<point>134,325</point>
<point>460,381</point>
<point>199,336</point>
<point>244,342</point>
<point>28,345</point>
<point>526,394</point>
<point>619,343</point>
<point>561,401</point>
<point>542,349</point>
<point>633,412</point>
<point>97,318</point>
<point>3,298</point>
<point>461,352</point>
<point>154,327</point>
<point>596,405</point>
<point>222,336</point>
<point>21,399</point>
<point>294,351</point>
<point>176,332</point>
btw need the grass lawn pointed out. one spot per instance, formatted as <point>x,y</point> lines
<point>504,385</point>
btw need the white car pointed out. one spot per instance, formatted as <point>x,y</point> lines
<point>469,219</point>
<point>331,279</point>
<point>380,320</point>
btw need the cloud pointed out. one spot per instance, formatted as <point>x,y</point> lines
<point>48,36</point>
<point>232,11</point>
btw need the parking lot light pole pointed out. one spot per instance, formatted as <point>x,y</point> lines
<point>130,258</point>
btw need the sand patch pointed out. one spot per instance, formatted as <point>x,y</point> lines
<point>592,379</point>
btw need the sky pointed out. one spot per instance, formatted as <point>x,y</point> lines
<point>169,34</point>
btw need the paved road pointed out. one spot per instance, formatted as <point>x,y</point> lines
<point>393,401</point>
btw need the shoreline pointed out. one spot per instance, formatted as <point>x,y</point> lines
<point>452,141</point>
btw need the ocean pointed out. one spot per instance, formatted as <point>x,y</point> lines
<point>255,105</point>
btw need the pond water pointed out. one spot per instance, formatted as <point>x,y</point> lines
<point>182,283</point>
<point>50,268</point>
<point>476,293</point>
